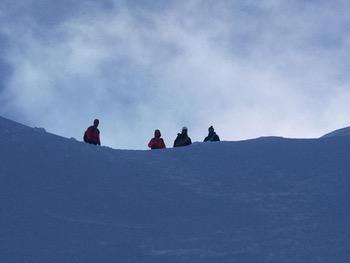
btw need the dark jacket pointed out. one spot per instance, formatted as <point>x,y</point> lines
<point>182,139</point>
<point>212,137</point>
<point>92,135</point>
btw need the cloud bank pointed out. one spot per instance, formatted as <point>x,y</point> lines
<point>250,69</point>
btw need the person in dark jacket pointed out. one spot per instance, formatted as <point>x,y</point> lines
<point>182,138</point>
<point>156,142</point>
<point>212,136</point>
<point>92,134</point>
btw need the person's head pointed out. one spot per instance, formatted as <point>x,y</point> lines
<point>211,129</point>
<point>96,122</point>
<point>157,133</point>
<point>184,130</point>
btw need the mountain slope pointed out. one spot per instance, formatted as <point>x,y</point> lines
<point>340,132</point>
<point>263,200</point>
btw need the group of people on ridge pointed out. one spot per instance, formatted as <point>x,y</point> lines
<point>92,136</point>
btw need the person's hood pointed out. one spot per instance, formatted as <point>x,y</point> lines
<point>157,134</point>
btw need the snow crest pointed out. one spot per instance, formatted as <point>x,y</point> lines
<point>263,200</point>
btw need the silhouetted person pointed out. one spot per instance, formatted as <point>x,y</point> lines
<point>156,142</point>
<point>92,134</point>
<point>212,136</point>
<point>182,138</point>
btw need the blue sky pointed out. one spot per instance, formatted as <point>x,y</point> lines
<point>250,68</point>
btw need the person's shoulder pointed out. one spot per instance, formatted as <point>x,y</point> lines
<point>151,142</point>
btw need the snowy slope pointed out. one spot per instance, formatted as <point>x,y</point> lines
<point>263,200</point>
<point>340,132</point>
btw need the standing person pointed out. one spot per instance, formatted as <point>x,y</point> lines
<point>92,134</point>
<point>212,136</point>
<point>156,142</point>
<point>182,138</point>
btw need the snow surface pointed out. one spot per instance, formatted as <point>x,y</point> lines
<point>263,200</point>
<point>340,132</point>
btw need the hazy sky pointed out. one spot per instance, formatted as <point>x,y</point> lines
<point>250,68</point>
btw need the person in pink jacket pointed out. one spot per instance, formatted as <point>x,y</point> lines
<point>156,142</point>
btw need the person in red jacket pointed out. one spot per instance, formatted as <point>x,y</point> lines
<point>156,142</point>
<point>92,134</point>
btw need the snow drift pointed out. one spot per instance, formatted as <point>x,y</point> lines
<point>340,132</point>
<point>263,200</point>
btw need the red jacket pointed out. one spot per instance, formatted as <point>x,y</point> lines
<point>93,135</point>
<point>156,143</point>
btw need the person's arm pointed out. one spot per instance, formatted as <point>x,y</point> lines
<point>98,137</point>
<point>176,141</point>
<point>189,141</point>
<point>162,144</point>
<point>150,144</point>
